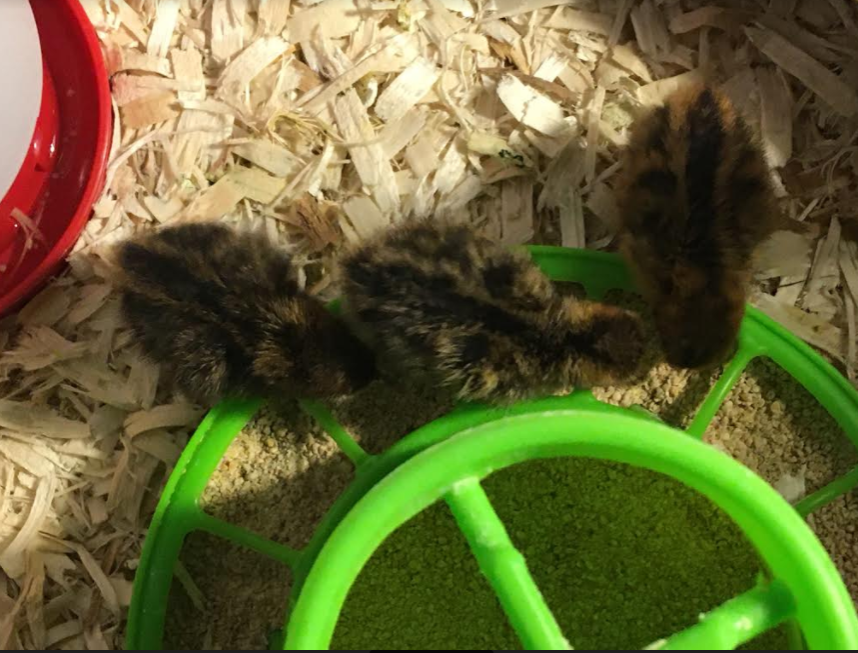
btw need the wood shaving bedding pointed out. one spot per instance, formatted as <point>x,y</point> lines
<point>362,114</point>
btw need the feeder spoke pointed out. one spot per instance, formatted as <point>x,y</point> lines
<point>332,427</point>
<point>282,554</point>
<point>719,393</point>
<point>735,622</point>
<point>827,494</point>
<point>504,567</point>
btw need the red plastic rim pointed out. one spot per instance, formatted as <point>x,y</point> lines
<point>73,59</point>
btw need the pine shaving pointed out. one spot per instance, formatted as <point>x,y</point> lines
<point>842,97</point>
<point>373,167</point>
<point>321,122</point>
<point>159,417</point>
<point>585,21</point>
<point>227,28</point>
<point>14,554</point>
<point>215,201</point>
<point>792,487</point>
<point>273,15</point>
<point>815,330</point>
<point>269,156</point>
<point>655,92</point>
<point>531,107</point>
<point>364,216</point>
<point>25,418</point>
<point>198,600</point>
<point>252,61</point>
<point>334,17</point>
<point>163,27</point>
<point>776,121</point>
<point>406,90</point>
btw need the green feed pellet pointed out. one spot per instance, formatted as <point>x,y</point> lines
<point>623,556</point>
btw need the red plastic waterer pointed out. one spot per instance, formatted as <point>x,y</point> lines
<point>55,132</point>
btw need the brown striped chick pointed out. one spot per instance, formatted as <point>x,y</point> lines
<point>442,305</point>
<point>221,311</point>
<point>696,200</point>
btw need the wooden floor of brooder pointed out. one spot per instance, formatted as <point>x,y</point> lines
<point>322,121</point>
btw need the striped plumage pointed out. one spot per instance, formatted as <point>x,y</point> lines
<point>696,200</point>
<point>220,310</point>
<point>445,306</point>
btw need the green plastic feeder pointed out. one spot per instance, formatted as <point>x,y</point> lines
<point>447,459</point>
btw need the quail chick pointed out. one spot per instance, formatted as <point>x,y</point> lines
<point>441,304</point>
<point>696,201</point>
<point>221,311</point>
